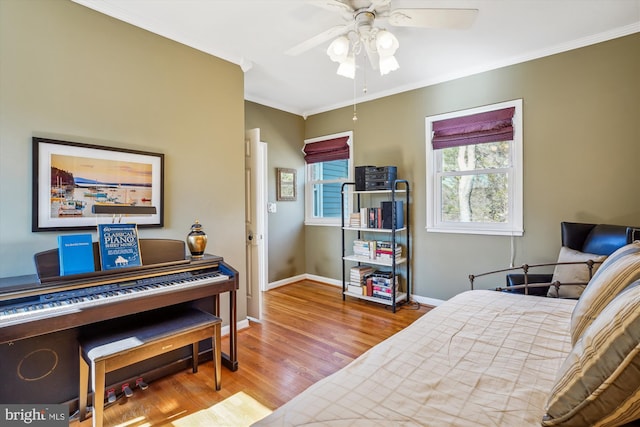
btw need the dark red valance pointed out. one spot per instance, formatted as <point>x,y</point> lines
<point>327,150</point>
<point>490,126</point>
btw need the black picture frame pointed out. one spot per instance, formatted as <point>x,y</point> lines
<point>70,178</point>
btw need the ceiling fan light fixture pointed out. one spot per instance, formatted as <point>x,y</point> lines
<point>386,43</point>
<point>388,64</point>
<point>347,67</point>
<point>338,50</point>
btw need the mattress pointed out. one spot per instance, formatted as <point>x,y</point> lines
<point>482,358</point>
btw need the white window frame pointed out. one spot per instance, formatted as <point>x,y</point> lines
<point>514,226</point>
<point>309,219</point>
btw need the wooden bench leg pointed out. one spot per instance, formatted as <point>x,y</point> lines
<point>97,383</point>
<point>84,384</point>
<point>217,355</point>
<point>194,357</point>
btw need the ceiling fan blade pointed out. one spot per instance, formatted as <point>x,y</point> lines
<point>380,4</point>
<point>318,39</point>
<point>433,18</point>
<point>341,7</point>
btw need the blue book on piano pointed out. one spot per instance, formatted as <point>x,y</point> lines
<point>75,253</point>
<point>119,246</point>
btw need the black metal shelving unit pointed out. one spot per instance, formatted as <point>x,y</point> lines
<point>399,188</point>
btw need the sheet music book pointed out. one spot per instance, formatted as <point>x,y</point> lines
<point>119,246</point>
<point>75,253</point>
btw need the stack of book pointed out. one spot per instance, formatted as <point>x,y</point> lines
<point>364,248</point>
<point>384,251</point>
<point>382,284</point>
<point>360,273</point>
<point>354,220</point>
<point>358,278</point>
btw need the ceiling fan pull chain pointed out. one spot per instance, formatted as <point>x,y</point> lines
<point>355,112</point>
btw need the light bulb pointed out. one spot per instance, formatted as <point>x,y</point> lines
<point>386,43</point>
<point>338,49</point>
<point>347,67</point>
<point>388,64</point>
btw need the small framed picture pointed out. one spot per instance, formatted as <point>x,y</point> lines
<point>285,184</point>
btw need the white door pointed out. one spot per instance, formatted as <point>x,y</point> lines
<point>255,221</point>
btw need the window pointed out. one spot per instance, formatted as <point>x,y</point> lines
<point>474,170</point>
<point>328,165</point>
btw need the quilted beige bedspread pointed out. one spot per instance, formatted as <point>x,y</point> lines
<point>483,358</point>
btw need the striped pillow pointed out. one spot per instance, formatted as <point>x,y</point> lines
<point>619,270</point>
<point>630,249</point>
<point>599,382</point>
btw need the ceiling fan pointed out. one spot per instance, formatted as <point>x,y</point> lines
<point>360,31</point>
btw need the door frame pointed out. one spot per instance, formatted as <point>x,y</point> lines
<point>259,203</point>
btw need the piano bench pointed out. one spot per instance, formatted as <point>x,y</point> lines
<point>123,347</point>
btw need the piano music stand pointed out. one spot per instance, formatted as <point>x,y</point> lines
<point>153,251</point>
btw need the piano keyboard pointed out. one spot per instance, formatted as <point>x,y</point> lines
<point>66,302</point>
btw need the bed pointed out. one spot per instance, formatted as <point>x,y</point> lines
<point>487,358</point>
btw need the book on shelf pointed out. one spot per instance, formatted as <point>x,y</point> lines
<point>378,217</point>
<point>358,274</point>
<point>376,249</point>
<point>364,248</point>
<point>363,217</point>
<point>384,274</point>
<point>119,246</point>
<point>375,218</point>
<point>382,281</point>
<point>382,289</point>
<point>75,254</point>
<point>355,289</point>
<point>385,252</point>
<point>354,220</point>
<point>388,210</point>
<point>384,296</point>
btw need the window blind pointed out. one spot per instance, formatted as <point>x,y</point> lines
<point>327,150</point>
<point>489,126</point>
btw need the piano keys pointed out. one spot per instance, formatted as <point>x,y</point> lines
<point>47,305</point>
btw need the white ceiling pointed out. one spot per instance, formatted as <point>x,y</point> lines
<point>255,34</point>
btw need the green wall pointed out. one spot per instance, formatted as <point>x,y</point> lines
<point>581,156</point>
<point>69,73</point>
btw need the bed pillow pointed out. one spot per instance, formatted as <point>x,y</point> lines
<point>630,249</point>
<point>573,273</point>
<point>599,382</point>
<point>616,273</point>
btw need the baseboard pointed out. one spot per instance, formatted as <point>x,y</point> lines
<point>434,302</point>
<point>287,281</point>
<point>325,280</point>
<point>242,324</point>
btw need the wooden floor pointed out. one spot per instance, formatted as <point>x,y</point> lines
<point>307,333</point>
